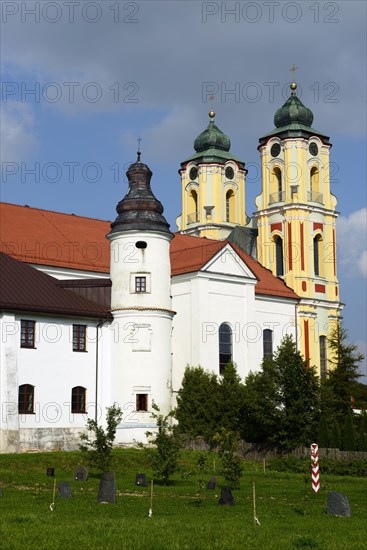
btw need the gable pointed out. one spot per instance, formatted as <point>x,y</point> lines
<point>227,262</point>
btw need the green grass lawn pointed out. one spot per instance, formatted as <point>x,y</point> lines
<point>291,516</point>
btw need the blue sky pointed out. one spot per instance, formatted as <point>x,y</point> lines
<point>107,72</point>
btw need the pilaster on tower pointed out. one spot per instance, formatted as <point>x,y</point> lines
<point>296,222</point>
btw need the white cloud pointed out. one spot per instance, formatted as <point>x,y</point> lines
<point>352,243</point>
<point>17,131</point>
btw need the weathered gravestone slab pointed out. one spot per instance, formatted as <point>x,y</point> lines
<point>141,480</point>
<point>212,483</point>
<point>338,504</point>
<point>64,490</point>
<point>50,472</point>
<point>81,473</point>
<point>107,488</point>
<point>226,496</point>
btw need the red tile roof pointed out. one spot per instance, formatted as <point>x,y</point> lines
<point>65,240</point>
<point>24,288</point>
<point>54,239</point>
<point>190,254</point>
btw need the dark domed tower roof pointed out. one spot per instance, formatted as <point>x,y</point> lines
<point>139,209</point>
<point>293,119</point>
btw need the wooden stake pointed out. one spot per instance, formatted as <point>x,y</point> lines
<point>52,505</point>
<point>151,499</point>
<point>254,500</point>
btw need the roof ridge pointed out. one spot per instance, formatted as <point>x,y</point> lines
<point>53,211</point>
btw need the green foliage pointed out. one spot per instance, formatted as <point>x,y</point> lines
<point>328,466</point>
<point>362,433</point>
<point>165,456</point>
<point>231,464</point>
<point>323,433</point>
<point>342,380</point>
<point>98,442</point>
<point>335,440</point>
<point>230,394</point>
<point>281,404</point>
<point>197,403</point>
<point>349,434</point>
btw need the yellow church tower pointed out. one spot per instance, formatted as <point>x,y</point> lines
<point>213,187</point>
<point>296,223</point>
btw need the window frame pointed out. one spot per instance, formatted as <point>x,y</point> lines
<point>27,337</point>
<point>78,338</point>
<point>78,400</point>
<point>268,344</point>
<point>27,400</point>
<point>225,357</point>
<point>141,402</point>
<point>140,284</point>
<point>279,256</point>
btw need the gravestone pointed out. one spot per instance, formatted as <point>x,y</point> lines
<point>51,472</point>
<point>226,497</point>
<point>212,483</point>
<point>81,473</point>
<point>107,488</point>
<point>338,504</point>
<point>141,480</point>
<point>64,490</point>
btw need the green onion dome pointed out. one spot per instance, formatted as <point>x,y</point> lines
<point>293,111</point>
<point>212,137</point>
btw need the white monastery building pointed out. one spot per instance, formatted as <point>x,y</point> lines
<point>94,313</point>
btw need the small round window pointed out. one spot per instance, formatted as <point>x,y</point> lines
<point>141,244</point>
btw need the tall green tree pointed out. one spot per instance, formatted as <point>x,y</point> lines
<point>323,433</point>
<point>230,395</point>
<point>197,403</point>
<point>335,439</point>
<point>167,446</point>
<point>349,440</point>
<point>342,380</point>
<point>283,401</point>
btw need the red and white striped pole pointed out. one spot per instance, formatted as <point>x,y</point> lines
<point>315,467</point>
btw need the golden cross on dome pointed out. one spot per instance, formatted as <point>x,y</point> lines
<point>293,70</point>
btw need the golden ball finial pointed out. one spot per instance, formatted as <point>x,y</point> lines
<point>293,86</point>
<point>212,114</point>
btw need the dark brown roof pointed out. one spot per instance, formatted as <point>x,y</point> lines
<point>24,288</point>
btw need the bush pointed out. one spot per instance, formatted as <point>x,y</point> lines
<point>355,468</point>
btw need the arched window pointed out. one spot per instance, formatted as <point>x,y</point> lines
<point>318,256</point>
<point>267,344</point>
<point>193,213</point>
<point>323,357</point>
<point>315,195</point>
<point>78,399</point>
<point>278,175</point>
<point>230,214</point>
<point>279,263</point>
<point>225,346</point>
<point>26,399</point>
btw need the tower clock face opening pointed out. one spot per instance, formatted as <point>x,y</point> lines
<point>275,150</point>
<point>229,173</point>
<point>193,173</point>
<point>313,149</point>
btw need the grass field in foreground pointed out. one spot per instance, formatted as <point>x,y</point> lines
<point>291,516</point>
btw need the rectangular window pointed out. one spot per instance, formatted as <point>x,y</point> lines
<point>140,284</point>
<point>323,359</point>
<point>142,402</point>
<point>27,334</point>
<point>79,337</point>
